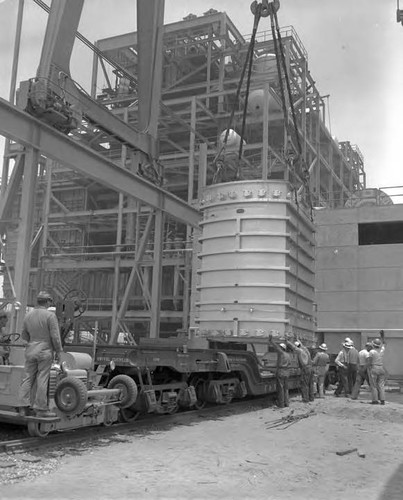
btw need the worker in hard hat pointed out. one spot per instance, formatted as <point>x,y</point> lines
<point>4,338</point>
<point>376,369</point>
<point>352,366</point>
<point>42,335</point>
<point>282,372</point>
<point>321,362</point>
<point>342,368</point>
<point>306,368</point>
<point>362,373</point>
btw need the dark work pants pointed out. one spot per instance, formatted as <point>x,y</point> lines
<point>282,390</point>
<point>352,376</point>
<point>343,382</point>
<point>307,384</point>
<point>362,375</point>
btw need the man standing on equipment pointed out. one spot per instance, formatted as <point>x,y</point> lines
<point>41,332</point>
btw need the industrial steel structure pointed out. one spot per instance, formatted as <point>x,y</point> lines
<point>104,204</point>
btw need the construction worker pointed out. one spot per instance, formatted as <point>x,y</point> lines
<point>376,369</point>
<point>362,373</point>
<point>320,364</point>
<point>4,339</point>
<point>342,366</point>
<point>305,365</point>
<point>41,332</point>
<point>282,372</point>
<point>352,366</point>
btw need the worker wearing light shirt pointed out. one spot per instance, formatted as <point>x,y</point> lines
<point>362,373</point>
<point>377,370</point>
<point>342,365</point>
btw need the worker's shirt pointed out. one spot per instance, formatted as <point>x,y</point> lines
<point>283,360</point>
<point>353,356</point>
<point>376,356</point>
<point>321,359</point>
<point>304,357</point>
<point>363,356</point>
<point>321,362</point>
<point>40,326</point>
<point>342,359</point>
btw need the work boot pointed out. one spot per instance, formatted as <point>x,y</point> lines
<point>45,414</point>
<point>382,402</point>
<point>374,402</point>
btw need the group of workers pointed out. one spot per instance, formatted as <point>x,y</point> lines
<point>353,369</point>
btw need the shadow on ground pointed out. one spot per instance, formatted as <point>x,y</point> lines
<point>394,487</point>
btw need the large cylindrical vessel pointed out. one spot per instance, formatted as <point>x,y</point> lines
<point>256,265</point>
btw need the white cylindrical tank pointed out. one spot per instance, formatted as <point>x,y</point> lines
<point>233,140</point>
<point>256,103</point>
<point>256,264</point>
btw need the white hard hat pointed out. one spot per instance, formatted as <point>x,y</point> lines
<point>323,347</point>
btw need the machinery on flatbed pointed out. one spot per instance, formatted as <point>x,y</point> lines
<point>176,373</point>
<point>122,382</point>
<point>75,396</point>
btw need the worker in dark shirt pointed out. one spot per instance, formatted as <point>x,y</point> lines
<point>41,332</point>
<point>305,365</point>
<point>282,372</point>
<point>352,366</point>
<point>321,363</point>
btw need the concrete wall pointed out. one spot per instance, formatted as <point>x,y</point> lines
<point>359,288</point>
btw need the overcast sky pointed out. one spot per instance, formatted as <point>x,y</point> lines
<point>355,51</point>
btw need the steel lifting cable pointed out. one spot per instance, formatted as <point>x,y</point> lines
<point>279,48</point>
<point>238,92</point>
<point>258,8</point>
<point>277,53</point>
<point>287,80</point>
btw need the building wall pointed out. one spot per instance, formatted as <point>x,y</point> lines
<point>359,287</point>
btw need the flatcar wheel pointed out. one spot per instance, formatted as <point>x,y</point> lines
<point>200,388</point>
<point>128,415</point>
<point>172,410</point>
<point>37,429</point>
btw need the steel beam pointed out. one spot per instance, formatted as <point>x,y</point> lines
<point>27,130</point>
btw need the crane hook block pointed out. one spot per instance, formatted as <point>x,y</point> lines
<point>267,7</point>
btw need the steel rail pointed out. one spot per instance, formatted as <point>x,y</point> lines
<point>154,422</point>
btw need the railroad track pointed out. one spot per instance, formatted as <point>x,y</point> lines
<point>116,432</point>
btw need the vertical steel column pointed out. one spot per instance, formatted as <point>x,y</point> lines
<point>156,283</point>
<point>221,74</point>
<point>265,142</point>
<point>331,200</point>
<point>13,83</point>
<point>192,150</point>
<point>150,21</point>
<point>23,253</point>
<point>187,260</point>
<point>45,216</point>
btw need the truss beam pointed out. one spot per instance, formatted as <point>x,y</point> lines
<point>27,130</point>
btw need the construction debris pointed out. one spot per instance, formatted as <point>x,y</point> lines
<point>346,452</point>
<point>290,419</point>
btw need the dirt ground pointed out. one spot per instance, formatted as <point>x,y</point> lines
<point>241,456</point>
